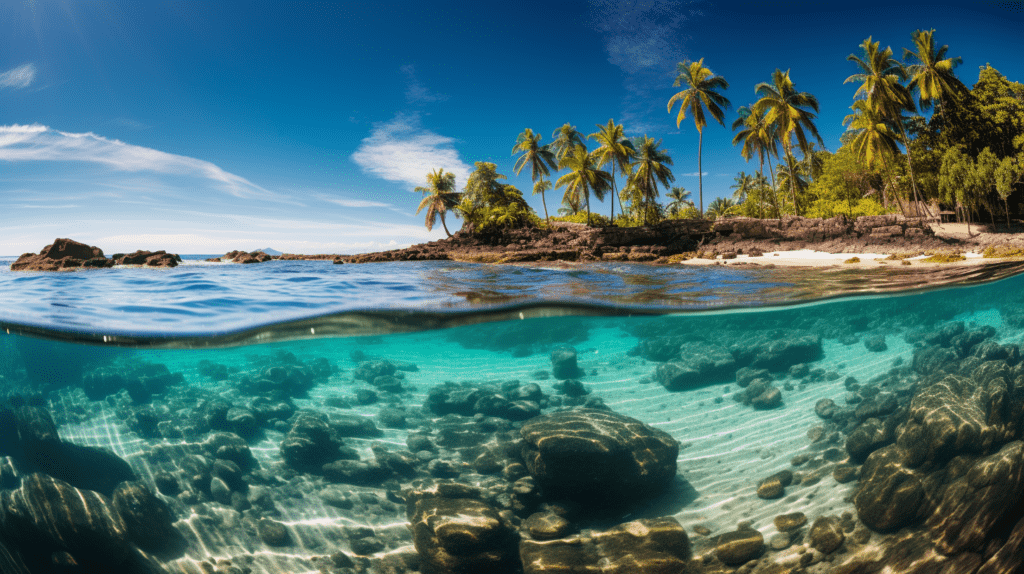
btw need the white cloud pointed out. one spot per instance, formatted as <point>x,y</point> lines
<point>417,92</point>
<point>20,77</point>
<point>402,150</point>
<point>693,174</point>
<point>357,203</point>
<point>640,34</point>
<point>40,143</point>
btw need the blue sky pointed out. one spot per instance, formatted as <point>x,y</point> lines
<point>200,127</point>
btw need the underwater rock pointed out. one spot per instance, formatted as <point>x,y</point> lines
<point>868,437</point>
<point>571,388</point>
<point>354,426</point>
<point>826,534</point>
<point>148,520</point>
<point>366,397</point>
<point>242,422</point>
<point>459,534</point>
<point>876,344</point>
<point>356,472</point>
<point>267,410</point>
<point>949,418</point>
<point>598,455</point>
<point>698,364</point>
<point>230,446</point>
<point>790,522</point>
<point>310,444</point>
<point>768,399</point>
<point>546,525</point>
<point>775,485</point>
<point>453,399</point>
<point>777,353</point>
<point>215,371</point>
<point>747,374</point>
<point>47,515</point>
<point>889,495</point>
<point>141,380</point>
<point>659,349</point>
<point>965,342</point>
<point>844,473</point>
<point>563,363</point>
<point>645,546</point>
<point>933,360</point>
<point>273,533</point>
<point>825,408</point>
<point>739,547</point>
<point>149,259</point>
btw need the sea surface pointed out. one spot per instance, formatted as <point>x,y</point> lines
<point>227,390</point>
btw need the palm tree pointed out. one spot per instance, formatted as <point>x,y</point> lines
<point>680,200</point>
<point>540,187</point>
<point>872,139</point>
<point>583,178</point>
<point>720,207</point>
<point>649,168</point>
<point>758,137</point>
<point>792,175</point>
<point>614,149</point>
<point>440,197</point>
<point>540,158</point>
<point>932,76</point>
<point>881,80</point>
<point>701,93</point>
<point>566,139</point>
<point>743,186</point>
<point>785,107</point>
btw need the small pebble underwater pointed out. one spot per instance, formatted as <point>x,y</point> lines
<point>875,433</point>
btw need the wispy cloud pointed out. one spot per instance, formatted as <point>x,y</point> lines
<point>693,174</point>
<point>40,143</point>
<point>20,77</point>
<point>415,91</point>
<point>402,150</point>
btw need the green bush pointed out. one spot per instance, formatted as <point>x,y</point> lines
<point>826,208</point>
<point>596,219</point>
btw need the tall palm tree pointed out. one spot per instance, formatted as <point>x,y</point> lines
<point>720,207</point>
<point>758,137</point>
<point>584,178</point>
<point>649,168</point>
<point>566,139</point>
<point>743,187</point>
<point>701,93</point>
<point>440,196</point>
<point>539,157</point>
<point>881,78</point>
<point>932,76</point>
<point>540,187</point>
<point>873,139</point>
<point>615,149</point>
<point>789,111</point>
<point>792,175</point>
<point>680,200</point>
<point>763,189</point>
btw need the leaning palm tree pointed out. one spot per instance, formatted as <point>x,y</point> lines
<point>566,139</point>
<point>792,176</point>
<point>440,196</point>
<point>872,139</point>
<point>788,110</point>
<point>758,137</point>
<point>701,93</point>
<point>881,85</point>
<point>743,187</point>
<point>540,187</point>
<point>932,76</point>
<point>680,200</point>
<point>614,149</point>
<point>539,157</point>
<point>584,178</point>
<point>649,168</point>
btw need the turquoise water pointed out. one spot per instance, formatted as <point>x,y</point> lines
<point>227,389</point>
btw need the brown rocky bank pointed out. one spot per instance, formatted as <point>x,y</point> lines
<point>656,243</point>
<point>68,254</point>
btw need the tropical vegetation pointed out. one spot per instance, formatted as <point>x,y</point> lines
<point>917,139</point>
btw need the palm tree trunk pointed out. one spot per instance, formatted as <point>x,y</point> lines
<point>587,198</point>
<point>700,173</point>
<point>545,204</point>
<point>613,193</point>
<point>444,226</point>
<point>1006,205</point>
<point>892,181</point>
<point>792,180</point>
<point>910,168</point>
<point>775,198</point>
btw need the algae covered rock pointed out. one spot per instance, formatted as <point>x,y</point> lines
<point>590,454</point>
<point>460,535</point>
<point>563,363</point>
<point>739,547</point>
<point>826,534</point>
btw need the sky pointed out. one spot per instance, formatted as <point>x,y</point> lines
<point>203,127</point>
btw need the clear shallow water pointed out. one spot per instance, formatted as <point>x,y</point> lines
<point>165,411</point>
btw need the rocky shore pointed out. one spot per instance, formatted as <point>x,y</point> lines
<point>67,254</point>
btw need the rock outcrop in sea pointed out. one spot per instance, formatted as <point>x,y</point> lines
<point>67,254</point>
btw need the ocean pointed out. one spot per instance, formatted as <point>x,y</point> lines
<point>296,416</point>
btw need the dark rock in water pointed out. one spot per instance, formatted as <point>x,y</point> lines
<point>546,526</point>
<point>265,409</point>
<point>563,363</point>
<point>356,472</point>
<point>889,495</point>
<point>370,370</point>
<point>768,399</point>
<point>148,520</point>
<point>540,375</point>
<point>598,455</point>
<point>739,547</point>
<point>677,377</point>
<point>932,360</point>
<point>698,364</point>
<point>659,349</point>
<point>388,384</point>
<point>273,533</point>
<point>215,371</point>
<point>460,535</point>
<point>876,344</point>
<point>879,406</point>
<point>779,353</point>
<point>242,422</point>
<point>825,408</point>
<point>571,388</point>
<point>149,259</point>
<point>366,397</point>
<point>956,415</point>
<point>392,418</point>
<point>62,254</point>
<point>230,473</point>
<point>775,485</point>
<point>989,493</point>
<point>964,343</point>
<point>355,426</point>
<point>747,374</point>
<point>166,484</point>
<point>47,515</point>
<point>645,546</point>
<point>826,534</point>
<point>419,442</point>
<point>868,437</point>
<point>844,473</point>
<point>799,370</point>
<point>141,380</point>
<point>790,522</point>
<point>230,446</point>
<point>453,399</point>
<point>310,444</point>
